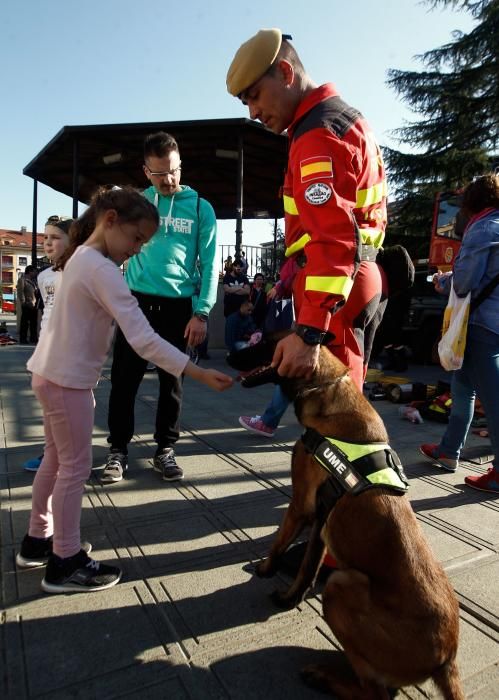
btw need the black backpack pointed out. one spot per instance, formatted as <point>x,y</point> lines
<point>398,268</point>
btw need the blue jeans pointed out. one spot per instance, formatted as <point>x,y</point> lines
<point>479,375</point>
<point>276,408</point>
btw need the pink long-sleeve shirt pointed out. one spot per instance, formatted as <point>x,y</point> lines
<point>75,343</point>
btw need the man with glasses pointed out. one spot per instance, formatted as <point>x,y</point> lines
<point>177,264</point>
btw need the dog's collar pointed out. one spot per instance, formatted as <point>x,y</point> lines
<point>355,466</point>
<point>324,385</point>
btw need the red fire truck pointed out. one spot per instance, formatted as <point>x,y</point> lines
<point>447,230</point>
<point>423,321</point>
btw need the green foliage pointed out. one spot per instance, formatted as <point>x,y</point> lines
<point>456,100</point>
<point>273,258</point>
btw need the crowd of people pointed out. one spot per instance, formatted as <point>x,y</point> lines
<point>245,304</point>
<point>334,198</point>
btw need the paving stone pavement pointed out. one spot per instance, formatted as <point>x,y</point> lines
<point>189,620</point>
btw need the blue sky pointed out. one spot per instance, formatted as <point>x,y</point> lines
<point>67,62</point>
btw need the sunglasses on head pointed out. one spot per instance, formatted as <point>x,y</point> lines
<point>55,219</point>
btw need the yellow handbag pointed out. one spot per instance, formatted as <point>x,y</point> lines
<point>455,325</point>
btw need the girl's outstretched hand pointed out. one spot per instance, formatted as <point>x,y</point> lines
<point>211,377</point>
<point>216,380</point>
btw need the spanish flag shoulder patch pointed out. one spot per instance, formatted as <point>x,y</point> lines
<point>315,168</point>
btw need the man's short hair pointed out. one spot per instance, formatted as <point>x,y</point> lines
<point>159,144</point>
<point>237,262</point>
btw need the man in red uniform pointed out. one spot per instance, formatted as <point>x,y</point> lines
<point>334,203</point>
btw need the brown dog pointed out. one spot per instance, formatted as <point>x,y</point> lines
<point>389,602</point>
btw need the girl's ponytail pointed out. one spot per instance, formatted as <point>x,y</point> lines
<point>129,204</point>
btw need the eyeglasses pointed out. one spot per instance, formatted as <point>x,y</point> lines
<point>164,173</point>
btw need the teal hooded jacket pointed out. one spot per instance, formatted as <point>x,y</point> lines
<point>180,259</point>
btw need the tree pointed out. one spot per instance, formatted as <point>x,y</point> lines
<point>273,258</point>
<point>457,100</point>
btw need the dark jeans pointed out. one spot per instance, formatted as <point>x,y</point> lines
<point>29,320</point>
<point>479,375</point>
<point>169,318</point>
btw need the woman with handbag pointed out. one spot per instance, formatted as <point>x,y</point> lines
<point>476,271</point>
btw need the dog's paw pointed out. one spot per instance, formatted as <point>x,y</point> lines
<point>250,568</point>
<point>265,569</point>
<point>283,601</point>
<point>314,677</point>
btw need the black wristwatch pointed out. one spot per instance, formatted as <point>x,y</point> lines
<point>312,336</point>
<point>201,317</point>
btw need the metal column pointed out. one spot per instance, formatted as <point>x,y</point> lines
<point>35,213</point>
<point>239,197</point>
<point>76,176</point>
<point>274,252</point>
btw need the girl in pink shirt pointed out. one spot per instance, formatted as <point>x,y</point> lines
<point>66,365</point>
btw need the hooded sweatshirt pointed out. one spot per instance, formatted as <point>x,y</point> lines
<point>167,265</point>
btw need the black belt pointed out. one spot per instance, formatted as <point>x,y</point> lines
<point>153,302</point>
<point>367,253</point>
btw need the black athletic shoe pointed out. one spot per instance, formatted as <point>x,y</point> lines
<point>36,551</point>
<point>78,573</point>
<point>164,462</point>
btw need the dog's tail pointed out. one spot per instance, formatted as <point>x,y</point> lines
<point>447,679</point>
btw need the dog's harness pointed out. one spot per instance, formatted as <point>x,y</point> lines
<point>353,467</point>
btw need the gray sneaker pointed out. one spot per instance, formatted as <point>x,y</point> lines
<point>166,465</point>
<point>116,466</point>
<point>432,451</point>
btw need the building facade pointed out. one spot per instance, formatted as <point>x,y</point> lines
<point>15,255</point>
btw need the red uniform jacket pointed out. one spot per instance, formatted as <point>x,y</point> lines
<point>334,200</point>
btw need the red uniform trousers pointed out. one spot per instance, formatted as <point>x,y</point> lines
<point>355,320</point>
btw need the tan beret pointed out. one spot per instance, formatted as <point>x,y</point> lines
<point>253,59</point>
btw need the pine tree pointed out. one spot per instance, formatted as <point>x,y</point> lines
<point>456,135</point>
<point>273,258</point>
